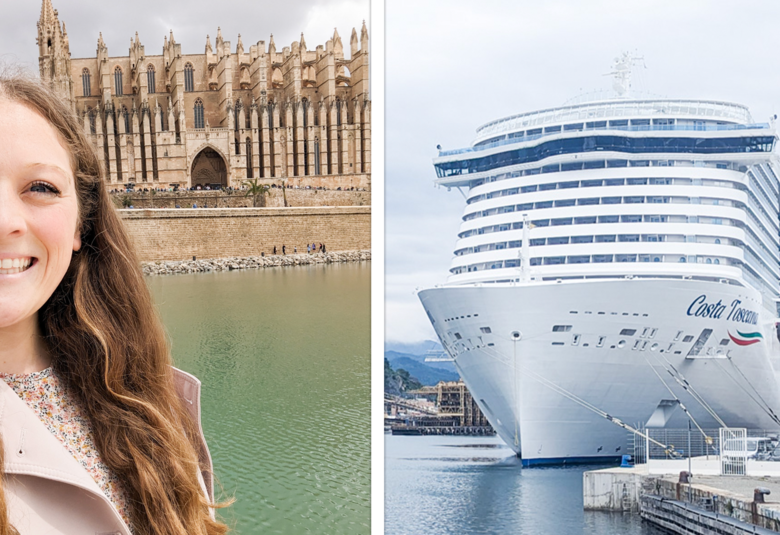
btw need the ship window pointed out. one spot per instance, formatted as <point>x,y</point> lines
<point>602,258</point>
<point>591,183</point>
<point>543,204</point>
<point>625,258</point>
<point>568,185</point>
<point>575,340</point>
<point>652,333</point>
<point>628,332</point>
<point>561,240</point>
<point>601,341</point>
<point>547,187</point>
<point>636,345</point>
<point>628,237</point>
<point>576,126</point>
<point>528,189</point>
<point>565,202</point>
<point>537,241</point>
<point>619,123</point>
<point>458,336</point>
<point>584,220</point>
<point>636,181</point>
<point>605,238</point>
<point>598,164</point>
<point>561,221</point>
<point>688,338</point>
<point>614,182</point>
<point>596,124</point>
<point>554,260</point>
<point>581,259</point>
<point>678,335</point>
<point>485,330</point>
<point>725,342</point>
<point>557,343</point>
<point>586,202</point>
<point>491,344</point>
<point>617,163</point>
<point>582,239</point>
<point>631,218</point>
<point>552,129</point>
<point>640,122</point>
<point>610,200</point>
<point>561,328</point>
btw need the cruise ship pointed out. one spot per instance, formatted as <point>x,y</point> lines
<point>617,259</point>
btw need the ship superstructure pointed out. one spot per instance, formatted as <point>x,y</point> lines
<point>604,242</point>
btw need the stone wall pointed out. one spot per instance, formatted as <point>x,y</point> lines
<point>180,234</point>
<point>218,199</point>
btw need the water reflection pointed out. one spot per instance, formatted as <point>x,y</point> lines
<point>284,358</point>
<point>442,485</point>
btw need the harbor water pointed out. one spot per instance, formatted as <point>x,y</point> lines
<point>283,354</point>
<point>437,485</point>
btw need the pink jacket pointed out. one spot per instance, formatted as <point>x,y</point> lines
<point>48,491</point>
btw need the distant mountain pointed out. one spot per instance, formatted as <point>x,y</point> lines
<point>417,348</point>
<point>417,368</point>
<point>399,382</point>
<point>446,366</point>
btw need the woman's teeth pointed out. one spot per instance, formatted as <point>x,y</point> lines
<point>9,266</point>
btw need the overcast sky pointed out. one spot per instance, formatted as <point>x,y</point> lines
<point>454,65</point>
<point>190,20</point>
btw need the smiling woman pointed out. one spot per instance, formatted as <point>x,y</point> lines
<point>100,434</point>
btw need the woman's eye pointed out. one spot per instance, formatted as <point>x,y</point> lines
<point>43,187</point>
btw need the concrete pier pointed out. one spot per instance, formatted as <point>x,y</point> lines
<point>710,504</point>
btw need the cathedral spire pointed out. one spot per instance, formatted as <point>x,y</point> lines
<point>48,15</point>
<point>303,42</point>
<point>364,38</point>
<point>272,45</point>
<point>353,42</point>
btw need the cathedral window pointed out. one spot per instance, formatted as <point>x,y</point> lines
<point>189,78</point>
<point>338,113</point>
<point>150,78</point>
<point>92,122</point>
<point>249,173</point>
<point>118,82</point>
<point>271,115</point>
<point>305,113</point>
<point>199,122</point>
<point>85,82</point>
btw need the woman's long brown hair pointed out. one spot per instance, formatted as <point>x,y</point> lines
<point>108,345</point>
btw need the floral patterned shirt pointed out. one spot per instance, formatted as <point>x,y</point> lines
<point>48,398</point>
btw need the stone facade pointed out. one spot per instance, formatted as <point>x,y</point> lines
<point>223,116</point>
<point>275,198</point>
<point>242,232</point>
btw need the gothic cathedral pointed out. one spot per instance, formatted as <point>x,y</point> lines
<point>297,117</point>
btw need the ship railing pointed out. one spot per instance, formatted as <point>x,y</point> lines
<point>630,128</point>
<point>720,451</point>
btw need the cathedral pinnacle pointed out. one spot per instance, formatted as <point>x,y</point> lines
<point>272,45</point>
<point>48,15</point>
<point>303,42</point>
<point>208,45</point>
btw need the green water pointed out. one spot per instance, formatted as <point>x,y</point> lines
<point>283,354</point>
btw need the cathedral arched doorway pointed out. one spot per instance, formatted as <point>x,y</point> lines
<point>209,169</point>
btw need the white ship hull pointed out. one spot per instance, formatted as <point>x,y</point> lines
<point>516,366</point>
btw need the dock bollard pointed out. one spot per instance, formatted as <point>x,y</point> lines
<point>685,476</point>
<point>759,493</point>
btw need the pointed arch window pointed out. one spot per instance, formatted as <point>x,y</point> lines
<point>271,115</point>
<point>338,113</point>
<point>118,81</point>
<point>249,172</point>
<point>85,83</point>
<point>199,122</point>
<point>150,78</point>
<point>92,122</point>
<point>305,113</point>
<point>189,78</point>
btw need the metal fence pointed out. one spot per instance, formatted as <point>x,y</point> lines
<point>682,443</point>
